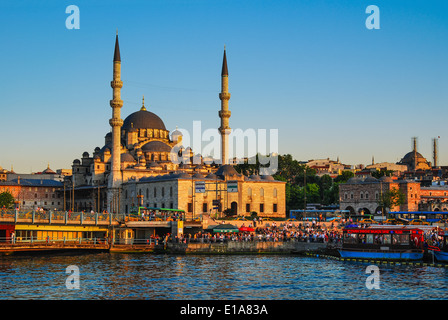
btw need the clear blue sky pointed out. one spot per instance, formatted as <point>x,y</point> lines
<point>308,68</point>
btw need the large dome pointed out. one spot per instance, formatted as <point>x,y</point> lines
<point>409,157</point>
<point>143,119</point>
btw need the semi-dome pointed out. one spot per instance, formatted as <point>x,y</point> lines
<point>354,180</point>
<point>226,170</point>
<point>156,146</point>
<point>127,157</point>
<point>370,179</point>
<point>143,119</point>
<point>183,175</point>
<point>212,176</point>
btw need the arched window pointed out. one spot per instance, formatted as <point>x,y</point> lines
<point>249,192</point>
<point>361,195</point>
<point>367,195</point>
<point>261,192</point>
<point>275,192</point>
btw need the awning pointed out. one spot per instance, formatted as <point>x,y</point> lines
<point>225,228</point>
<point>246,229</point>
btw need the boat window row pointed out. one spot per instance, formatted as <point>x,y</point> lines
<point>392,239</point>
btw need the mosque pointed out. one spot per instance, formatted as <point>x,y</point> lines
<point>135,167</point>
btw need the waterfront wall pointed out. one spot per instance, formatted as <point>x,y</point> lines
<point>249,247</point>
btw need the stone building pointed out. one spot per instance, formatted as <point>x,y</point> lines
<point>31,194</point>
<point>260,194</point>
<point>362,194</point>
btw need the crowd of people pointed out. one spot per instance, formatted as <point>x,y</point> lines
<point>306,232</point>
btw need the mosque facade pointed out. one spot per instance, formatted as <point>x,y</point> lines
<point>142,164</point>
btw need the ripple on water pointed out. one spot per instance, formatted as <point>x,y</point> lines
<point>167,277</point>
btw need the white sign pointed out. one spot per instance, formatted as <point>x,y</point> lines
<point>232,186</point>
<point>199,186</point>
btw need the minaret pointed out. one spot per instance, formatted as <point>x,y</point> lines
<point>414,150</point>
<point>115,122</point>
<point>224,113</point>
<point>434,151</point>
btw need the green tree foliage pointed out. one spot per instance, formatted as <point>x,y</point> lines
<point>380,173</point>
<point>391,198</point>
<point>6,200</point>
<point>324,190</point>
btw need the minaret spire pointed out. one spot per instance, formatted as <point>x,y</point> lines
<point>115,122</point>
<point>224,113</point>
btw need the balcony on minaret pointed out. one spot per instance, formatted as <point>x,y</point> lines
<point>224,114</point>
<point>116,84</point>
<point>224,96</point>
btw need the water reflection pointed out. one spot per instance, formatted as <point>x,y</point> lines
<point>166,277</point>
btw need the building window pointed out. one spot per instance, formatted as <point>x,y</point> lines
<point>275,207</point>
<point>204,207</point>
<point>163,191</point>
<point>275,192</point>
<point>361,195</point>
<point>345,196</point>
<point>261,192</point>
<point>155,192</point>
<point>377,195</point>
<point>249,192</point>
<point>261,207</point>
<point>190,207</point>
<point>247,207</point>
<point>367,195</point>
<point>171,191</point>
<point>351,195</point>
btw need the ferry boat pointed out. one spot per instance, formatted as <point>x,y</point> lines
<point>382,243</point>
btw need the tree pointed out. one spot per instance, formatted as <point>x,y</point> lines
<point>344,176</point>
<point>6,200</point>
<point>391,198</point>
<point>383,172</point>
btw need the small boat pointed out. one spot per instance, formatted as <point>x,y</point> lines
<point>441,254</point>
<point>382,243</point>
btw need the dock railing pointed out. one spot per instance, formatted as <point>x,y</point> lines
<point>65,217</point>
<point>20,241</point>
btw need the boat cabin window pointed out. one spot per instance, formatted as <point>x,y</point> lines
<point>403,239</point>
<point>350,238</point>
